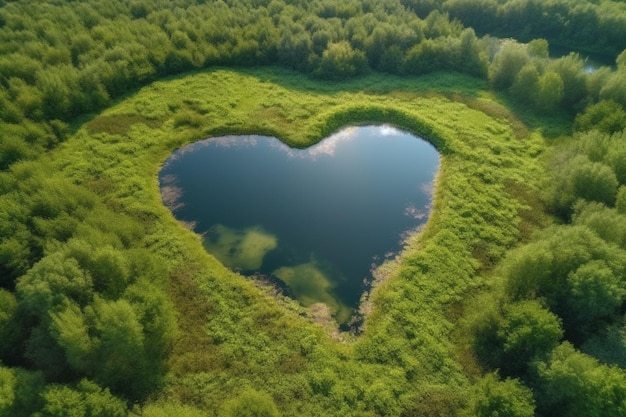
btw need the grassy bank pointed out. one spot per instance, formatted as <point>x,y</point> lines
<point>235,339</point>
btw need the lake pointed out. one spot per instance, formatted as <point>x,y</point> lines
<point>315,220</point>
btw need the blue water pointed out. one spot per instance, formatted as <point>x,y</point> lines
<point>318,219</point>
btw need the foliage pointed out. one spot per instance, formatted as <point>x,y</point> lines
<point>574,384</point>
<point>606,116</point>
<point>594,26</point>
<point>577,273</point>
<point>20,392</point>
<point>120,343</point>
<point>96,276</point>
<point>512,341</point>
<point>576,269</point>
<point>85,400</point>
<point>592,167</point>
<point>250,403</point>
<point>604,221</point>
<point>169,409</point>
<point>508,62</point>
<point>503,398</point>
<point>339,61</point>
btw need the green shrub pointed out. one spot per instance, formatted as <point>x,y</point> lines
<point>249,403</point>
<point>524,332</point>
<point>502,398</point>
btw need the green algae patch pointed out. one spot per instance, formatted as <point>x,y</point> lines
<point>310,285</point>
<point>240,249</point>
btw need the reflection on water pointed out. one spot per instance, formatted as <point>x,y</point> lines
<point>317,219</point>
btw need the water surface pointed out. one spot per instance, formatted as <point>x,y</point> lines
<point>318,219</point>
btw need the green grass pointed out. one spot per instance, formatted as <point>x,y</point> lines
<point>235,334</point>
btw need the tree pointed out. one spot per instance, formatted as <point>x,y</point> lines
<point>339,61</point>
<point>16,249</point>
<point>8,306</point>
<point>508,398</point>
<point>427,56</point>
<point>606,222</point>
<point>20,392</point>
<point>578,274</point>
<point>620,203</point>
<point>50,283</point>
<point>86,399</point>
<point>599,147</point>
<point>538,48</point>
<point>607,116</point>
<point>616,155</point>
<point>573,384</point>
<point>48,287</point>
<point>596,81</point>
<point>593,181</point>
<point>615,88</point>
<point>294,48</point>
<point>593,293</point>
<point>577,178</point>
<point>56,102</point>
<point>524,332</point>
<point>7,391</point>
<point>70,330</point>
<point>472,59</point>
<point>478,14</point>
<point>167,410</point>
<point>550,90</point>
<point>250,403</point>
<point>107,266</point>
<point>119,348</point>
<point>156,314</point>
<point>570,69</point>
<point>509,60</point>
<point>526,83</point>
<point>376,44</point>
<point>391,60</point>
<point>527,332</point>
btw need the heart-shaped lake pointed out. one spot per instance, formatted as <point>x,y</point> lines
<point>317,219</point>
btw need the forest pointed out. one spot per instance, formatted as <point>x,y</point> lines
<point>510,302</point>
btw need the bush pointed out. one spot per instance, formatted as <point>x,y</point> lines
<point>502,398</point>
<point>85,400</point>
<point>340,61</point>
<point>580,178</point>
<point>250,403</point>
<point>607,116</point>
<point>573,384</point>
<point>523,332</point>
<point>508,62</point>
<point>575,271</point>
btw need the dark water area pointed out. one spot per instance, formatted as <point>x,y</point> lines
<point>592,61</point>
<point>317,220</point>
